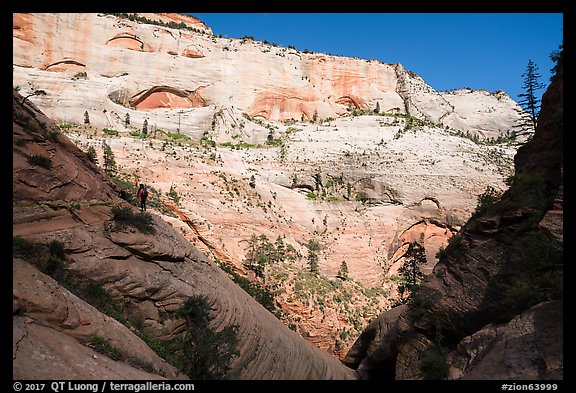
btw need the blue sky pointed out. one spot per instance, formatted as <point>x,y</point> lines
<point>487,51</point>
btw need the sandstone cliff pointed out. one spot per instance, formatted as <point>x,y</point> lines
<point>493,307</point>
<point>101,64</point>
<point>360,183</point>
<point>61,197</point>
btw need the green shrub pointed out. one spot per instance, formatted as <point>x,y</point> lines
<point>202,353</point>
<point>176,135</point>
<point>536,258</point>
<point>291,130</point>
<point>174,195</point>
<point>312,196</point>
<point>125,216</point>
<point>56,248</point>
<point>207,141</point>
<point>275,142</point>
<point>433,364</point>
<point>101,345</point>
<point>41,161</point>
<point>487,200</point>
<point>110,132</point>
<point>25,248</point>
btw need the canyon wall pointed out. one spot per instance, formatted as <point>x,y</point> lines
<point>102,64</point>
<point>259,139</point>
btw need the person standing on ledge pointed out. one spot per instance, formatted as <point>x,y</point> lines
<point>142,196</point>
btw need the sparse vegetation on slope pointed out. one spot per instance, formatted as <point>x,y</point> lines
<point>141,19</point>
<point>126,216</point>
<point>200,352</point>
<point>222,180</point>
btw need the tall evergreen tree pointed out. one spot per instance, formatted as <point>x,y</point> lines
<point>343,271</point>
<point>313,249</point>
<point>92,156</point>
<point>415,255</point>
<point>529,100</point>
<point>109,161</point>
<point>313,261</point>
<point>201,352</point>
<point>251,261</point>
<point>280,249</point>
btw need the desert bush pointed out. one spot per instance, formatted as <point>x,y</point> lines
<point>487,200</point>
<point>201,352</point>
<point>536,258</point>
<point>123,216</point>
<point>25,248</point>
<point>41,161</point>
<point>101,345</point>
<point>433,364</point>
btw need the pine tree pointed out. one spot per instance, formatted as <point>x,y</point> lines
<point>343,271</point>
<point>313,248</point>
<point>414,256</point>
<point>291,253</point>
<point>92,156</point>
<point>557,57</point>
<point>127,119</point>
<point>86,118</point>
<point>251,254</point>
<point>259,254</point>
<point>280,249</point>
<point>109,161</point>
<point>201,352</point>
<point>313,261</point>
<point>145,127</point>
<point>529,100</point>
<point>377,109</point>
<point>34,92</point>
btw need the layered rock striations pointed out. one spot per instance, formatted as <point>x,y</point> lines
<point>61,197</point>
<point>260,79</point>
<point>362,184</point>
<point>493,307</point>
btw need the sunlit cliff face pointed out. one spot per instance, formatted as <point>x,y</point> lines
<point>383,180</point>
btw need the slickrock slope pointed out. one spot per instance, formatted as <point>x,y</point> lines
<point>493,307</point>
<point>59,196</point>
